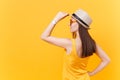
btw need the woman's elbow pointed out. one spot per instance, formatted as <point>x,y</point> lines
<point>107,61</point>
<point>42,37</point>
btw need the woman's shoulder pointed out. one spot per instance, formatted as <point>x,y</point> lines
<point>68,42</point>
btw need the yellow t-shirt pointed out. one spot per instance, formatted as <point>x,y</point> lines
<point>74,67</point>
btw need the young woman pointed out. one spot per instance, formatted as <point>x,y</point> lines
<point>79,48</point>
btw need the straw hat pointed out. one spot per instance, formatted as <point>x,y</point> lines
<point>83,18</point>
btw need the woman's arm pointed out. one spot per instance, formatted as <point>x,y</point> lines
<point>104,61</point>
<point>46,35</point>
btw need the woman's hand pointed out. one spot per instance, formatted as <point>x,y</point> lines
<point>60,15</point>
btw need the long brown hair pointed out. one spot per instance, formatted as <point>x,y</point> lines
<point>88,44</point>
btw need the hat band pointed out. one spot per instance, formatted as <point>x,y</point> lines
<point>79,19</point>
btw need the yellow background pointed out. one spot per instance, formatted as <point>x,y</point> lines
<point>24,56</point>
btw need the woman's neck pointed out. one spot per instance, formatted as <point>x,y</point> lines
<point>77,36</point>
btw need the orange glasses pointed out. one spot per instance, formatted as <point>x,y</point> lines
<point>72,21</point>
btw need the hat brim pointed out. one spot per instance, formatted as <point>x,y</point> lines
<point>81,23</point>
